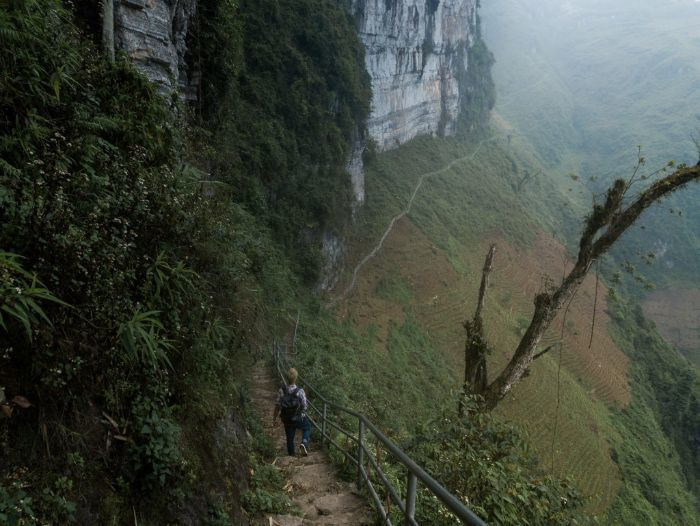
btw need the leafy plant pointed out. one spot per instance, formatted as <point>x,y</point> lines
<point>15,506</point>
<point>19,293</point>
<point>164,279</point>
<point>155,455</point>
<point>284,110</point>
<point>265,494</point>
<point>141,339</point>
<point>488,465</point>
<point>58,507</point>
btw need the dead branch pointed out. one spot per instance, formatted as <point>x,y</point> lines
<point>542,353</point>
<point>476,347</point>
<point>606,223</point>
<point>488,265</point>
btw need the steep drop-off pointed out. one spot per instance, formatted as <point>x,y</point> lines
<point>416,54</point>
<point>153,34</point>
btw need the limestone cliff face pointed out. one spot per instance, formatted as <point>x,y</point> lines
<point>153,33</point>
<point>416,53</point>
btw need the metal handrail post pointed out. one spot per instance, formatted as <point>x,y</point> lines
<point>360,452</point>
<point>323,422</point>
<point>415,472</point>
<point>411,498</point>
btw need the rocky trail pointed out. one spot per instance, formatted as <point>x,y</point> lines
<point>312,482</point>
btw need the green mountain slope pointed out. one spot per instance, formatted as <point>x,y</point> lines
<point>605,416</point>
<point>181,245</point>
<point>145,248</point>
<point>584,83</point>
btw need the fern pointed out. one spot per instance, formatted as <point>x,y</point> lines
<point>9,36</point>
<point>9,170</point>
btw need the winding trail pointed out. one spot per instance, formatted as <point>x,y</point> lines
<point>421,179</point>
<point>403,213</point>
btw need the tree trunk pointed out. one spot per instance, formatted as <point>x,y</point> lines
<point>603,227</point>
<point>475,346</point>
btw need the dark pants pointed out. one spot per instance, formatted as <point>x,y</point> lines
<point>305,425</point>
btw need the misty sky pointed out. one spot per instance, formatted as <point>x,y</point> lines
<point>620,73</point>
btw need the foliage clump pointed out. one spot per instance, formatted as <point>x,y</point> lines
<point>131,280</point>
<point>662,472</point>
<point>488,465</point>
<point>122,283</point>
<point>477,89</point>
<point>285,92</point>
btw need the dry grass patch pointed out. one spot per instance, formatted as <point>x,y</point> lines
<point>676,312</point>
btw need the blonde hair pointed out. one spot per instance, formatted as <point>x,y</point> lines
<point>292,375</point>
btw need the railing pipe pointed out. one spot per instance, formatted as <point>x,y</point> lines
<point>389,488</point>
<point>376,499</point>
<point>323,422</point>
<point>410,499</point>
<point>415,471</point>
<point>360,452</point>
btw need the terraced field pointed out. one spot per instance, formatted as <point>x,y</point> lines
<point>412,275</point>
<point>676,312</point>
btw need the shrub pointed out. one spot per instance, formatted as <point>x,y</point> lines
<point>488,466</point>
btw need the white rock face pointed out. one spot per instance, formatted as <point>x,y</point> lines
<point>415,51</point>
<point>355,168</point>
<point>333,250</point>
<point>153,33</point>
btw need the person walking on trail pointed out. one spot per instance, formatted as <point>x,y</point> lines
<point>291,406</point>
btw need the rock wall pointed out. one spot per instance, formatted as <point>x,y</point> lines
<point>416,52</point>
<point>355,168</point>
<point>153,33</point>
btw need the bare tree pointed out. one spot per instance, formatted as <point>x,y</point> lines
<point>605,224</point>
<point>476,348</point>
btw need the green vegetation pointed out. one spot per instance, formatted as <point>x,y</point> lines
<point>20,293</point>
<point>476,83</point>
<point>138,256</point>
<point>489,466</point>
<point>457,212</point>
<point>665,411</point>
<point>284,101</point>
<point>582,85</point>
<point>266,493</point>
<point>146,255</point>
<point>402,389</point>
<point>389,361</point>
<point>111,325</point>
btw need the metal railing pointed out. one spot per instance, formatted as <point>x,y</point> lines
<point>322,421</point>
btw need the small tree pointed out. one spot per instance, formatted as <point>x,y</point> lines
<point>605,224</point>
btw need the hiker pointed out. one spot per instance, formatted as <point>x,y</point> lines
<point>291,406</point>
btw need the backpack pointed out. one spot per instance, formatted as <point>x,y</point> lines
<point>290,405</point>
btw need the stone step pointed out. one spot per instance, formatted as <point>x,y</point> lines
<point>312,480</point>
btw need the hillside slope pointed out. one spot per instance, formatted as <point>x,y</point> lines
<point>581,418</point>
<point>602,79</point>
<point>144,249</point>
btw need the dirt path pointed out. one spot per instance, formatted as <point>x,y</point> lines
<point>404,212</point>
<point>311,480</point>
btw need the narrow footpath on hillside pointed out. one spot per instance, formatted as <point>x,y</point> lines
<point>312,482</point>
<point>421,179</point>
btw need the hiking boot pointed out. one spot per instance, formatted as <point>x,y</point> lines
<point>304,448</point>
